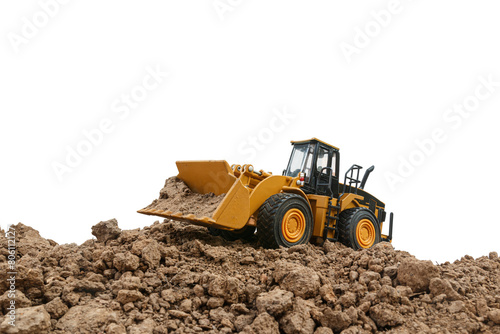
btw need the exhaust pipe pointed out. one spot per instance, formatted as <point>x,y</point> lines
<point>365,177</point>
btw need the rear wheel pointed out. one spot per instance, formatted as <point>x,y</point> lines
<point>284,220</point>
<point>358,228</point>
<point>245,233</point>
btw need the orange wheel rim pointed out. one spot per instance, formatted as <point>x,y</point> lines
<point>365,233</point>
<point>293,225</point>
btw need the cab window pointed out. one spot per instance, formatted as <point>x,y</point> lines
<point>301,160</point>
<point>323,160</point>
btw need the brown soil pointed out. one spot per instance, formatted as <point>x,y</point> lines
<point>177,197</point>
<point>173,277</point>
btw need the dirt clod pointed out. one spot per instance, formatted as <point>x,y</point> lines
<point>173,277</point>
<point>106,230</point>
<point>176,196</point>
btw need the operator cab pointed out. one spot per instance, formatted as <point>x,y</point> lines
<point>319,164</point>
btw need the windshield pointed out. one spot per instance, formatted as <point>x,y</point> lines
<point>301,160</point>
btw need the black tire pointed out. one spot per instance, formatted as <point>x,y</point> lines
<point>246,233</point>
<point>348,228</point>
<point>214,231</point>
<point>270,220</point>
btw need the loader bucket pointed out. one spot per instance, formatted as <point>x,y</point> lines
<point>216,177</point>
<point>206,176</point>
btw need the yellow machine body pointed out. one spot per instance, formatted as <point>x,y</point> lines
<point>246,191</point>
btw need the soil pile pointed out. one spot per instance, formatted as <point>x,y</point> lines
<point>173,277</point>
<point>177,197</point>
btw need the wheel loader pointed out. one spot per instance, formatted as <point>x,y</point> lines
<point>307,203</point>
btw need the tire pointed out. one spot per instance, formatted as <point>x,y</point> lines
<point>214,231</point>
<point>358,228</point>
<point>246,233</point>
<point>284,220</point>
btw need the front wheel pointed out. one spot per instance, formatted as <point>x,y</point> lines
<point>284,220</point>
<point>358,228</point>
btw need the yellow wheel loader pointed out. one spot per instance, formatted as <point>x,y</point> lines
<point>307,203</point>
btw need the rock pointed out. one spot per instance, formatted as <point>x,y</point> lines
<point>151,254</point>
<point>87,319</point>
<point>128,307</point>
<point>239,308</point>
<point>219,313</point>
<point>145,327</point>
<point>355,330</point>
<point>106,230</point>
<point>326,292</point>
<point>186,305</point>
<point>335,320</point>
<point>29,241</point>
<point>215,302</point>
<point>27,321</point>
<point>388,294</point>
<point>368,276</point>
<point>348,299</point>
<point>440,286</point>
<point>127,296</point>
<point>456,306</point>
<point>28,276</point>
<point>88,286</point>
<point>56,308</point>
<point>391,271</point>
<point>297,323</point>
<point>265,324</point>
<point>18,297</point>
<point>198,290</point>
<point>323,330</point>
<point>276,302</point>
<point>178,314</point>
<point>126,262</point>
<point>229,288</point>
<point>116,329</point>
<point>417,274</point>
<point>482,307</point>
<point>299,320</point>
<point>384,315</point>
<point>242,321</point>
<point>129,283</point>
<point>302,281</point>
<point>494,316</point>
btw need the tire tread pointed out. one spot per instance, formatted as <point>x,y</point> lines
<point>344,226</point>
<point>265,220</point>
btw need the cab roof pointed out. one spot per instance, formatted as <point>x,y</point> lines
<point>312,140</point>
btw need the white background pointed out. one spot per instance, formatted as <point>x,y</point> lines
<point>228,70</point>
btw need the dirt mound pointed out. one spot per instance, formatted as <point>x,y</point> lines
<point>176,278</point>
<point>177,197</point>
